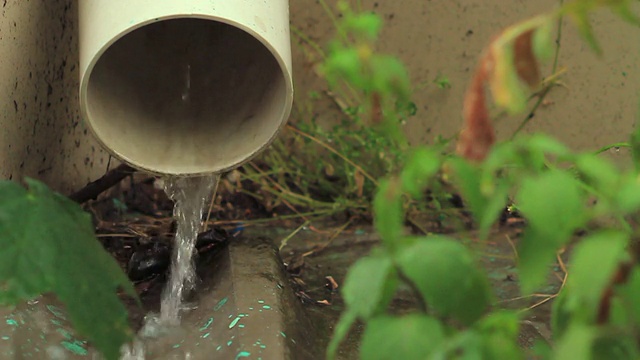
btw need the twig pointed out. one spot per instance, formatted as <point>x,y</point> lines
<point>95,188</point>
<point>513,246</point>
<point>273,219</point>
<point>328,242</point>
<point>213,199</point>
<point>564,281</point>
<point>284,241</point>
<point>417,225</point>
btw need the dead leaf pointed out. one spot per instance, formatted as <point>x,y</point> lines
<point>509,66</point>
<point>332,284</point>
<point>525,61</point>
<point>477,135</point>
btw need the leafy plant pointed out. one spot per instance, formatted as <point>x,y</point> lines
<point>48,246</point>
<point>595,314</point>
<point>331,169</point>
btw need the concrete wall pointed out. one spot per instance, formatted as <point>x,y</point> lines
<point>597,107</point>
<point>42,135</point>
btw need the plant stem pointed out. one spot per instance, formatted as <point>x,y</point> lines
<point>314,45</point>
<point>321,143</point>
<point>284,241</point>
<point>334,20</point>
<point>611,146</point>
<point>546,90</point>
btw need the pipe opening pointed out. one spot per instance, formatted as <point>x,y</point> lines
<point>186,96</point>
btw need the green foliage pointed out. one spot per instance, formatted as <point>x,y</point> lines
<point>447,276</point>
<point>48,245</point>
<point>413,336</point>
<point>579,305</point>
<point>323,169</point>
<point>368,298</point>
<point>558,192</point>
<point>389,201</point>
<point>549,227</point>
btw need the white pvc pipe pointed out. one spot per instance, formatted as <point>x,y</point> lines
<point>185,86</point>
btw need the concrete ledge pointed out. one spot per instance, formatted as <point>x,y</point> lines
<point>245,308</point>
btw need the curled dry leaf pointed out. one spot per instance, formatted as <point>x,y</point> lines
<point>507,66</point>
<point>477,135</point>
<point>332,284</point>
<point>525,60</point>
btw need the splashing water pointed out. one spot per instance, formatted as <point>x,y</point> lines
<point>190,195</point>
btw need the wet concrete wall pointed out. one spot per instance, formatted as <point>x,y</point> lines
<point>445,37</point>
<point>42,135</point>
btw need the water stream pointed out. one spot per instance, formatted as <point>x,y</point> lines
<point>191,196</point>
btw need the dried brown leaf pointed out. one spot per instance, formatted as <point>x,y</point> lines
<point>477,135</point>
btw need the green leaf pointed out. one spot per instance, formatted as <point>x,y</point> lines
<point>467,178</point>
<point>580,18</point>
<point>341,330</point>
<point>505,84</point>
<point>420,168</point>
<point>48,245</point>
<point>369,286</point>
<point>587,284</point>
<point>542,40</point>
<point>500,334</point>
<point>483,192</point>
<point>575,344</point>
<point>536,253</point>
<point>366,24</point>
<point>389,76</point>
<point>578,302</point>
<point>598,172</point>
<point>344,64</point>
<point>615,346</point>
<point>547,145</point>
<point>553,205</point>
<point>388,212</point>
<point>412,336</point>
<point>627,198</point>
<point>630,294</point>
<point>635,141</point>
<point>493,208</point>
<point>447,276</point>
<point>622,8</point>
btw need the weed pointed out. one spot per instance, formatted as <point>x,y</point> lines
<point>594,315</point>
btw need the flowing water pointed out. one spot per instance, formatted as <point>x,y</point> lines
<point>191,196</point>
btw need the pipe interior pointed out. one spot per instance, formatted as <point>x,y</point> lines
<point>186,96</point>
